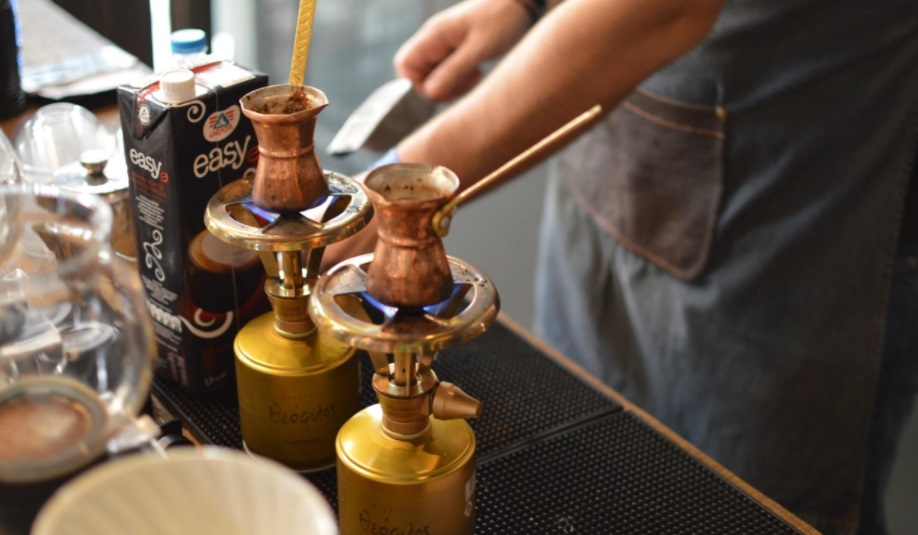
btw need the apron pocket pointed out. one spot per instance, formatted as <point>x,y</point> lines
<point>651,175</point>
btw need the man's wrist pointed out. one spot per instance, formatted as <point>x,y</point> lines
<point>391,156</point>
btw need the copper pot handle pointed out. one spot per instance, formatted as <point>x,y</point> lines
<point>444,216</point>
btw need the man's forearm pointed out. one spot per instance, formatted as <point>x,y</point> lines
<point>585,52</point>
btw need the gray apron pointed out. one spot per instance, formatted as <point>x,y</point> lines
<point>720,249</point>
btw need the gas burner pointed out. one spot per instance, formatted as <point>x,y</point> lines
<point>233,216</point>
<point>296,385</point>
<point>412,455</point>
<point>342,307</point>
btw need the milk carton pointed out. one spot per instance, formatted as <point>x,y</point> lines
<point>184,138</point>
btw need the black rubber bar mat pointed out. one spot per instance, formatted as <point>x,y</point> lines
<point>613,475</point>
<point>554,454</point>
<point>525,395</point>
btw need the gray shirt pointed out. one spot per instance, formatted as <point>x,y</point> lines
<point>720,249</point>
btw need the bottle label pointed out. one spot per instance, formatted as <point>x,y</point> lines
<point>179,155</point>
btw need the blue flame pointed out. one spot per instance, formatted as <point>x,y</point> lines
<point>436,309</point>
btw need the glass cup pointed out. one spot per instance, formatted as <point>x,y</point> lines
<point>9,162</point>
<point>76,344</point>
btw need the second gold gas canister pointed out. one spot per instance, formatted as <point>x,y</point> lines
<point>422,485</point>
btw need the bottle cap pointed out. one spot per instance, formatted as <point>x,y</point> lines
<point>177,85</point>
<point>189,41</point>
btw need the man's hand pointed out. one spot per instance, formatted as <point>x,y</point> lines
<point>443,59</point>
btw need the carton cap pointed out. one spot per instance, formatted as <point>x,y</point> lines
<point>177,85</point>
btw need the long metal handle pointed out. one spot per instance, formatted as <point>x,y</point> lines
<point>303,35</point>
<point>444,216</point>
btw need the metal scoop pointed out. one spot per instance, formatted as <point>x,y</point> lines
<point>390,113</point>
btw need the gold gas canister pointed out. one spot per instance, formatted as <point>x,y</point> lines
<point>294,394</point>
<point>380,477</point>
<point>407,464</point>
<point>296,386</point>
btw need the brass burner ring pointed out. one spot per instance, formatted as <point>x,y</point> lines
<point>469,312</point>
<point>231,212</point>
